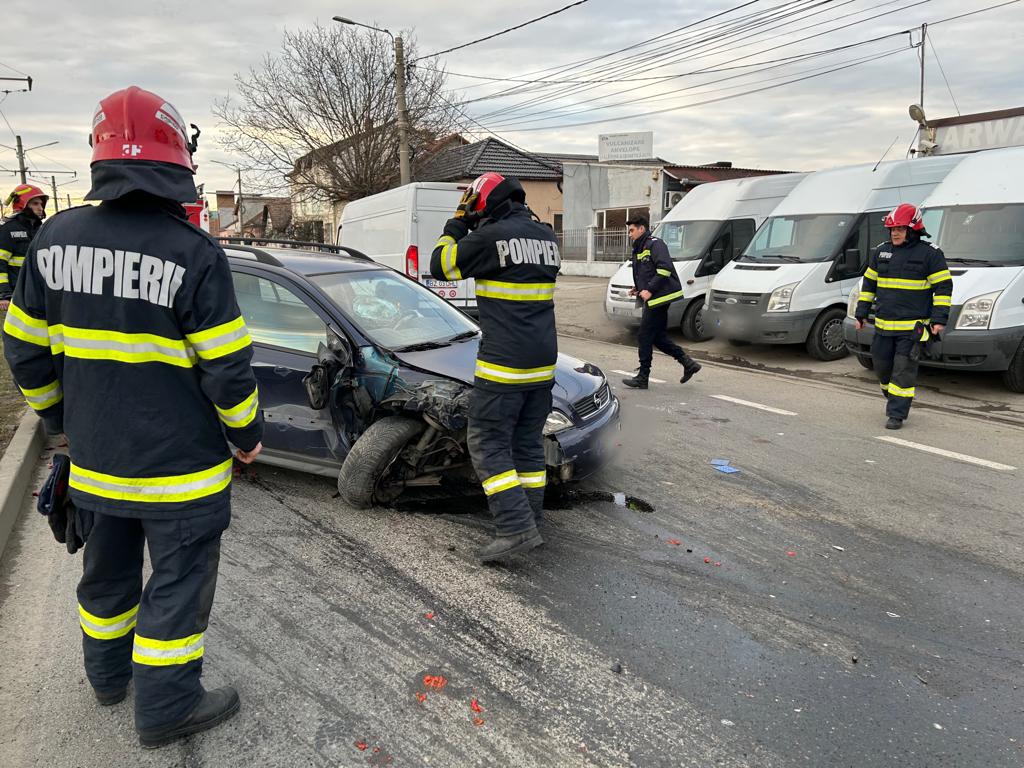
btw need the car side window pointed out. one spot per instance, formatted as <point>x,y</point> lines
<point>276,316</point>
<point>742,234</point>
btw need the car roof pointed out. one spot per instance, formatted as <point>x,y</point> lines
<point>304,259</point>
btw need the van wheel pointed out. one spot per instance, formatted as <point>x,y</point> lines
<point>692,325</point>
<point>825,341</point>
<point>1013,377</point>
<point>373,472</point>
<point>866,362</point>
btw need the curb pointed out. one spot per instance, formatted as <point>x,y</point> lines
<point>17,467</point>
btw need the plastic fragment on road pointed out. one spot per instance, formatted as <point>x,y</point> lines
<point>892,615</point>
<point>707,559</point>
<point>478,721</point>
<point>726,469</point>
<point>475,705</point>
<point>619,499</point>
<point>791,554</point>
<point>837,548</point>
<point>362,746</point>
<point>937,726</point>
<point>435,681</point>
<point>674,542</point>
<point>718,564</point>
<point>421,697</point>
<point>720,462</point>
<point>428,615</point>
<point>727,722</point>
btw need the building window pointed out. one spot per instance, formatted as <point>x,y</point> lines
<point>615,218</point>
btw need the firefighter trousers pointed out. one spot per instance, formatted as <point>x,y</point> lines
<point>896,368</point>
<point>153,634</point>
<point>506,443</point>
<point>654,333</point>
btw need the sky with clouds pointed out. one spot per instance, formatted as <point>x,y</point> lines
<point>188,51</point>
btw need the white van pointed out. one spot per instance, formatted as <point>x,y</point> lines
<point>976,216</point>
<point>704,231</point>
<point>792,283</point>
<point>400,227</point>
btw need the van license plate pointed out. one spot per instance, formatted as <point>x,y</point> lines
<point>431,283</point>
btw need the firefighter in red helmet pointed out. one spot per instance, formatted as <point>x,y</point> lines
<point>514,258</point>
<point>29,205</point>
<point>124,333</point>
<point>910,286</point>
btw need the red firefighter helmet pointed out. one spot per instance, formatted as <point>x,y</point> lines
<point>483,186</point>
<point>905,215</point>
<point>133,124</point>
<point>22,193</point>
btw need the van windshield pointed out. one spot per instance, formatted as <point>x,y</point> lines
<point>687,240</point>
<point>982,235</point>
<point>395,312</point>
<point>799,238</point>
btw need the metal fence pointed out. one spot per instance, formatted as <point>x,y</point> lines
<point>592,244</point>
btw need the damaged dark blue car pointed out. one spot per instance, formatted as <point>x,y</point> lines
<point>365,375</point>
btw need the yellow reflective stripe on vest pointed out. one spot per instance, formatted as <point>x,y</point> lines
<point>5,255</point>
<point>17,261</point>
<point>506,375</point>
<point>866,296</point>
<point>220,340</point>
<point>897,325</point>
<point>22,325</point>
<point>903,285</point>
<point>643,255</point>
<point>171,488</point>
<point>3,279</point>
<point>92,344</point>
<point>495,289</point>
<point>164,653</point>
<point>942,301</point>
<point>42,398</point>
<point>666,297</point>
<point>871,274</point>
<point>449,255</point>
<point>938,277</point>
<point>900,391</point>
<point>107,629</point>
<point>533,479</point>
<point>242,414</point>
<point>663,272</point>
<point>498,483</point>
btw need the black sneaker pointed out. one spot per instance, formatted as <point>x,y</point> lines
<point>110,698</point>
<point>894,424</point>
<point>689,373</point>
<point>214,708</point>
<point>506,546</point>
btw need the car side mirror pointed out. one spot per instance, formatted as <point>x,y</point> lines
<point>339,349</point>
<point>331,359</point>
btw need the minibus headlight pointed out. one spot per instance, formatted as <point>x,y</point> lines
<point>977,312</point>
<point>780,298</point>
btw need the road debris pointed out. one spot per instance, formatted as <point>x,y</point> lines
<point>892,615</point>
<point>722,465</point>
<point>791,553</point>
<point>921,680</point>
<point>429,615</point>
<point>475,705</point>
<point>718,564</point>
<point>619,499</point>
<point>707,559</point>
<point>478,721</point>
<point>361,746</point>
<point>727,722</point>
<point>435,681</point>
<point>421,697</point>
<point>837,548</point>
<point>674,542</point>
<point>617,668</point>
<point>937,727</point>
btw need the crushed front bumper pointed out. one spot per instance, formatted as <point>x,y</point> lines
<point>583,449</point>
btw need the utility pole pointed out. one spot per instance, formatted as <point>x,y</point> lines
<point>21,159</point>
<point>56,200</point>
<point>403,113</point>
<point>240,203</point>
<point>924,33</point>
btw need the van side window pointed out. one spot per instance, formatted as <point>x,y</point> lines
<point>742,234</point>
<point>857,240</point>
<point>877,233</point>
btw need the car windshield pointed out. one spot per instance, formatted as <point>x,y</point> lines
<point>799,238</point>
<point>992,234</point>
<point>393,311</point>
<point>687,240</point>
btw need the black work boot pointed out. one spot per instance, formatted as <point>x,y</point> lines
<point>894,423</point>
<point>690,368</point>
<point>640,380</point>
<point>214,708</point>
<point>506,546</point>
<point>110,698</point>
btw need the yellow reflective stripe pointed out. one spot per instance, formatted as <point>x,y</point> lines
<point>663,299</point>
<point>871,274</point>
<point>107,629</point>
<point>17,261</point>
<point>42,398</point>
<point>449,254</point>
<point>5,255</point>
<point>22,325</point>
<point>938,277</point>
<point>242,414</point>
<point>942,301</point>
<point>897,325</point>
<point>3,279</point>
<point>220,340</point>
<point>163,653</point>
<point>885,387</point>
<point>94,344</point>
<point>495,289</point>
<point>663,272</point>
<point>498,483</point>
<point>167,489</point>
<point>506,375</point>
<point>533,479</point>
<point>901,284</point>
<point>900,391</point>
<point>866,296</point>
<point>642,256</point>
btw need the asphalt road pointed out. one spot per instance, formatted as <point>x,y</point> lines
<point>839,601</point>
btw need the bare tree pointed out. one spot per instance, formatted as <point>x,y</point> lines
<point>319,116</point>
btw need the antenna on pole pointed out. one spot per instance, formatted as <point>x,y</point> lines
<point>884,154</point>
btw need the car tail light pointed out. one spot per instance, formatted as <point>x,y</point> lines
<point>412,262</point>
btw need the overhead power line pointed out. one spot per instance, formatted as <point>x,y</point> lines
<point>504,31</point>
<point>935,53</point>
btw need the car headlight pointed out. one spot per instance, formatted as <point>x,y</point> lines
<point>780,298</point>
<point>851,305</point>
<point>977,312</point>
<point>556,422</point>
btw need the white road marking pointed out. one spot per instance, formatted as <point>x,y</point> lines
<point>754,405</point>
<point>633,373</point>
<point>948,454</point>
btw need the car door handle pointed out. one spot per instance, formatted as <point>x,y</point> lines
<point>280,370</point>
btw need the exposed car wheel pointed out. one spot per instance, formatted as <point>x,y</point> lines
<point>1013,377</point>
<point>865,361</point>
<point>369,473</point>
<point>738,342</point>
<point>692,325</point>
<point>825,341</point>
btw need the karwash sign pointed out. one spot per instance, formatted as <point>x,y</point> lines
<point>971,133</point>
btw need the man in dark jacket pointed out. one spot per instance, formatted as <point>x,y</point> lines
<point>494,238</point>
<point>910,285</point>
<point>29,205</point>
<point>656,283</point>
<point>124,333</point>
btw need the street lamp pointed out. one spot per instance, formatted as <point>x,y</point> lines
<point>403,113</point>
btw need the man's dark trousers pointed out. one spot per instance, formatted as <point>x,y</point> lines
<point>154,635</point>
<point>654,333</point>
<point>893,360</point>
<point>506,443</point>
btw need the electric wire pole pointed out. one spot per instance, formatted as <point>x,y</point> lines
<point>924,33</point>
<point>21,159</point>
